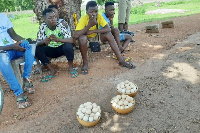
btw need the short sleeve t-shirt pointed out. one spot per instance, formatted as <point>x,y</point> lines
<point>60,32</point>
<point>83,22</point>
<point>5,24</point>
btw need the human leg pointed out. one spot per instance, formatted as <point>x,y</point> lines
<point>10,77</point>
<point>127,15</point>
<point>83,49</point>
<point>109,37</point>
<point>121,14</point>
<point>115,33</point>
<point>42,53</point>
<point>127,39</point>
<point>68,51</point>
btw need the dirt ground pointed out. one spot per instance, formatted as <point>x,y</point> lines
<point>167,74</point>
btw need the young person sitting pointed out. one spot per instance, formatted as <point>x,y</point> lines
<point>54,41</point>
<point>88,27</point>
<point>108,16</point>
<point>11,51</point>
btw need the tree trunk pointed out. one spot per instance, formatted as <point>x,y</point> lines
<point>66,9</point>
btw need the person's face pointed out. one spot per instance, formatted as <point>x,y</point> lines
<point>92,11</point>
<point>56,12</point>
<point>110,11</point>
<point>51,19</point>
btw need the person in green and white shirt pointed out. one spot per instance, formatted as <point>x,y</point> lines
<point>54,40</point>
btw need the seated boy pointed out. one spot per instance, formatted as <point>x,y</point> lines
<point>11,51</point>
<point>53,41</point>
<point>108,16</point>
<point>87,28</point>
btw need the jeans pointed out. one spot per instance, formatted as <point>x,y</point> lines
<point>43,52</point>
<point>6,68</point>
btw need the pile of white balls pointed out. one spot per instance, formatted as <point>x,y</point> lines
<point>89,112</point>
<point>122,101</point>
<point>126,87</point>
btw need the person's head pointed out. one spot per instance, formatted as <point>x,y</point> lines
<point>91,8</point>
<point>110,9</point>
<point>55,9</point>
<point>50,17</point>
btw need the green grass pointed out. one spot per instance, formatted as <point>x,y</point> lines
<point>25,28</point>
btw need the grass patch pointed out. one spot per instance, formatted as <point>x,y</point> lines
<point>23,26</point>
<point>26,29</point>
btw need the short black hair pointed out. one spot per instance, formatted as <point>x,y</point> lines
<point>91,4</point>
<point>53,6</point>
<point>109,4</point>
<point>48,10</point>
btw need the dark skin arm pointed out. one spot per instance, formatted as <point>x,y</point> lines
<point>46,41</point>
<point>91,23</point>
<point>15,46</point>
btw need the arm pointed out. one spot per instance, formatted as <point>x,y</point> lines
<point>83,31</point>
<point>13,35</point>
<point>65,40</point>
<point>15,46</point>
<point>103,30</point>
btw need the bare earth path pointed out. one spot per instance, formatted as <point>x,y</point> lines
<point>167,74</point>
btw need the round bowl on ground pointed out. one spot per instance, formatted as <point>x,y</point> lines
<point>130,94</point>
<point>123,111</point>
<point>86,123</point>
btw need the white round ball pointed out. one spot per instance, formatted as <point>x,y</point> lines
<point>81,115</point>
<point>98,114</point>
<point>88,111</point>
<point>123,91</point>
<point>126,102</point>
<point>85,118</point>
<point>128,91</point>
<point>91,119</point>
<point>83,110</point>
<point>96,117</point>
<point>94,110</point>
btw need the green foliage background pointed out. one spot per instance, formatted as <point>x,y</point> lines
<point>11,4</point>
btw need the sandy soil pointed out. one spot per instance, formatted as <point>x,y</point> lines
<point>167,75</point>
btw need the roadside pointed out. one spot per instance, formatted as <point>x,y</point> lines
<point>167,75</point>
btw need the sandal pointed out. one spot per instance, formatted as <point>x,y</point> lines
<point>28,87</point>
<point>47,78</point>
<point>74,74</point>
<point>22,102</point>
<point>127,59</point>
<point>84,71</point>
<point>128,65</point>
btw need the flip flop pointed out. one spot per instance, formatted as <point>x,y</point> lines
<point>128,59</point>
<point>47,78</point>
<point>84,71</point>
<point>74,74</point>
<point>128,65</point>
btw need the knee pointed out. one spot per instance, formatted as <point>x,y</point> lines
<point>115,31</point>
<point>82,40</point>
<point>4,59</point>
<point>68,47</point>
